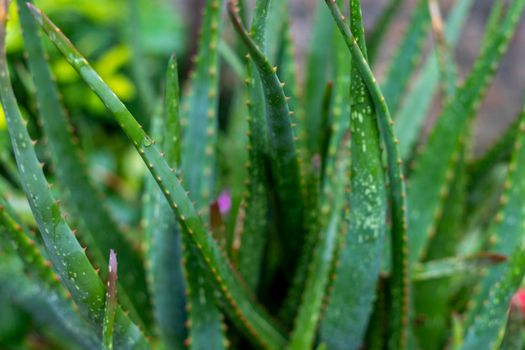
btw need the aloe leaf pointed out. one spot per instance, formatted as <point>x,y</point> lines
<point>350,305</point>
<point>399,290</point>
<point>111,303</point>
<point>432,298</point>
<point>382,25</point>
<point>198,163</point>
<point>41,283</point>
<point>48,308</point>
<point>254,236</point>
<point>415,107</point>
<point>498,284</point>
<point>310,172</point>
<point>281,146</point>
<point>97,229</point>
<point>482,203</point>
<point>336,113</point>
<point>27,249</point>
<point>309,312</point>
<point>313,186</point>
<point>65,252</point>
<point>164,248</point>
<point>430,182</point>
<point>407,56</point>
<point>489,322</point>
<point>320,267</point>
<point>281,50</point>
<point>288,73</point>
<point>242,307</point>
<point>316,76</point>
<point>199,110</point>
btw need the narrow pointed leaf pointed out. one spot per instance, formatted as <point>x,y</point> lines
<point>164,246</point>
<point>281,145</point>
<point>97,229</point>
<point>399,290</point>
<point>320,266</point>
<point>49,293</point>
<point>352,296</point>
<point>486,317</point>
<point>47,307</point>
<point>65,252</point>
<point>198,166</point>
<point>255,233</point>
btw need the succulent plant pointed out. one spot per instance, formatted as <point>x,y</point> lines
<point>315,243</point>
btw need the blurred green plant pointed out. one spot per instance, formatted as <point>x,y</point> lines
<point>314,243</point>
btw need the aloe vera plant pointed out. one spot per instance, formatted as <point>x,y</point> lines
<point>323,240</point>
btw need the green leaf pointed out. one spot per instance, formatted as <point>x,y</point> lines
<point>352,295</point>
<point>486,316</point>
<point>254,236</point>
<point>241,307</point>
<point>322,258</point>
<point>485,331</point>
<point>65,252</point>
<point>281,148</point>
<point>399,305</point>
<point>48,308</point>
<point>96,227</point>
<point>432,298</point>
<point>164,247</point>
<point>198,166</point>
<point>288,73</point>
<point>41,282</point>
